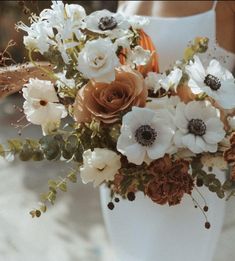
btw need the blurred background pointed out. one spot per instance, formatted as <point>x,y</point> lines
<point>72,230</point>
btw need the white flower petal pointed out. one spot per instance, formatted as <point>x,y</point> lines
<point>180,118</point>
<point>135,153</point>
<point>189,141</point>
<point>178,138</point>
<point>196,70</point>
<point>194,86</point>
<point>212,147</point>
<point>215,69</point>
<point>226,94</point>
<point>195,110</point>
<point>201,143</point>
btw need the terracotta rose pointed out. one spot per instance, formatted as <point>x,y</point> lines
<point>105,101</point>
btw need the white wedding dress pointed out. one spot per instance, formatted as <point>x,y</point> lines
<point>142,230</point>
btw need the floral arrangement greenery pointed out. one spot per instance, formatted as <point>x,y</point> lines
<point>125,125</point>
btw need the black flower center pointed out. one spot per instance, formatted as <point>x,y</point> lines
<point>197,127</point>
<point>43,102</point>
<point>212,82</point>
<point>107,23</point>
<point>145,135</point>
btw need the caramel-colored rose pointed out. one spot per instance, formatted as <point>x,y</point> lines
<point>105,102</point>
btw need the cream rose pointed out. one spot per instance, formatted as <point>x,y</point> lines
<point>99,165</point>
<point>106,102</point>
<point>98,60</point>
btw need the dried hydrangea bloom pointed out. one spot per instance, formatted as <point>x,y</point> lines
<point>171,180</point>
<point>229,156</point>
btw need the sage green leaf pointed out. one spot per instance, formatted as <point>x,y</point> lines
<point>38,155</point>
<point>26,153</point>
<point>220,194</point>
<point>72,177</point>
<point>63,186</point>
<point>227,185</point>
<point>50,147</point>
<point>15,145</point>
<point>2,151</point>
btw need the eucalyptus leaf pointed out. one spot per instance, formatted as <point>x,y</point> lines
<point>2,151</point>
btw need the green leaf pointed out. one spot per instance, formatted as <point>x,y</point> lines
<point>44,197</point>
<point>78,154</point>
<point>72,176</point>
<point>26,153</point>
<point>51,197</point>
<point>220,194</point>
<point>73,142</point>
<point>50,147</point>
<point>213,188</point>
<point>67,154</point>
<point>38,155</point>
<point>63,186</point>
<point>43,208</point>
<point>227,185</point>
<point>52,183</point>
<point>2,151</point>
<point>15,145</point>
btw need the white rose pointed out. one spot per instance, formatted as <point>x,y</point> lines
<point>99,165</point>
<point>98,60</point>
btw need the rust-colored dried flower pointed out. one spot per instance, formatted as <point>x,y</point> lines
<point>106,102</point>
<point>229,156</point>
<point>160,165</point>
<point>170,182</point>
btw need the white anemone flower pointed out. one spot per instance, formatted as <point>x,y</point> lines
<point>216,81</point>
<point>156,81</point>
<point>98,60</point>
<point>199,127</point>
<point>114,25</point>
<point>41,105</point>
<point>169,104</point>
<point>99,165</point>
<point>146,135</point>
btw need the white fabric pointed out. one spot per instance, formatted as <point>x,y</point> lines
<point>172,34</point>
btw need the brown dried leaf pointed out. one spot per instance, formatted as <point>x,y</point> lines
<point>12,78</point>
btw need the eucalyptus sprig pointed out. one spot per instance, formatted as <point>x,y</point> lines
<point>54,186</point>
<point>209,179</point>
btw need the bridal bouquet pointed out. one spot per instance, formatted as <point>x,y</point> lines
<point>107,112</point>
